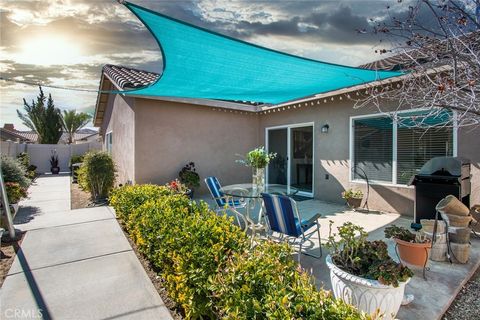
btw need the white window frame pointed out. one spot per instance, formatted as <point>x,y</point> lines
<point>106,141</point>
<point>394,146</point>
<point>289,127</point>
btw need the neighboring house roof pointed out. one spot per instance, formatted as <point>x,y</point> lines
<point>32,137</point>
<point>6,135</point>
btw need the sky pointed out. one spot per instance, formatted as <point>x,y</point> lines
<point>66,43</point>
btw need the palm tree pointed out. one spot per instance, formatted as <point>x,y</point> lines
<point>44,120</point>
<point>73,121</point>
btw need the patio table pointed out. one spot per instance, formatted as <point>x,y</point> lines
<point>253,197</point>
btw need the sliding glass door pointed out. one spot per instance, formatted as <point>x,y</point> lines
<point>293,165</point>
<point>278,167</point>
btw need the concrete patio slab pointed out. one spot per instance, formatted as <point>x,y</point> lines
<point>433,296</point>
<point>70,243</point>
<point>109,287</point>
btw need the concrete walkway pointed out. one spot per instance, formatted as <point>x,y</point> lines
<point>74,264</point>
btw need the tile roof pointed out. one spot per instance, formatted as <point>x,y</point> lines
<point>32,136</point>
<point>129,77</point>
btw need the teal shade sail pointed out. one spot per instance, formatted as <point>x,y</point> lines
<point>198,63</point>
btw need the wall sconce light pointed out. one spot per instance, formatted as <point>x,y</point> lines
<point>325,128</point>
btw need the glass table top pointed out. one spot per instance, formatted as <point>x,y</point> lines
<point>249,190</point>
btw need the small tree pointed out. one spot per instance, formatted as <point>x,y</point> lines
<point>437,43</point>
<point>73,121</point>
<point>44,120</point>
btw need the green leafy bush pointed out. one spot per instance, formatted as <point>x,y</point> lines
<point>210,271</point>
<point>15,192</point>
<point>97,174</point>
<point>127,198</point>
<point>265,283</point>
<point>24,159</point>
<point>14,171</point>
<point>78,158</point>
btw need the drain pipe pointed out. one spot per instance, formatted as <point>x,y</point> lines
<point>6,207</point>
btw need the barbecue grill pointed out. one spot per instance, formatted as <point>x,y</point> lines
<point>439,177</point>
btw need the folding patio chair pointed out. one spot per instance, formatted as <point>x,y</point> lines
<point>283,217</point>
<point>224,202</point>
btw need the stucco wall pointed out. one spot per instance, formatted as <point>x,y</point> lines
<point>169,135</point>
<point>332,154</point>
<point>120,120</point>
<point>469,148</point>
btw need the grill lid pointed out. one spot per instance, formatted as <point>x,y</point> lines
<point>447,166</point>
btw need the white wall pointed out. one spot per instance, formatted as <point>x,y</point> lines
<point>40,153</point>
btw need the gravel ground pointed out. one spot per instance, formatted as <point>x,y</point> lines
<point>79,198</point>
<point>466,305</point>
<point>7,255</point>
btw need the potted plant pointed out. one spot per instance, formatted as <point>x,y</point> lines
<point>15,193</point>
<point>258,159</point>
<point>353,198</point>
<point>179,187</point>
<point>412,248</point>
<point>363,274</point>
<point>189,177</point>
<point>54,168</point>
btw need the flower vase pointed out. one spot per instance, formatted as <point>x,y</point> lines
<point>258,179</point>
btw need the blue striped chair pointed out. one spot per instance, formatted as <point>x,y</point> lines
<point>224,202</point>
<point>283,217</point>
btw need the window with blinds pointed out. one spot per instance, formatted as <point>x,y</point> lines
<point>373,149</point>
<point>419,138</point>
<point>416,146</point>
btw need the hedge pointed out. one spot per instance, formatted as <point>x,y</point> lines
<point>210,271</point>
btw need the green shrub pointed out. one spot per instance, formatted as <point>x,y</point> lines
<point>126,199</point>
<point>265,283</point>
<point>208,266</point>
<point>14,171</point>
<point>97,174</point>
<point>24,159</point>
<point>190,243</point>
<point>78,158</point>
<point>15,192</point>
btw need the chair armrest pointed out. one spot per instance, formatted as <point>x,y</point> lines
<point>314,218</point>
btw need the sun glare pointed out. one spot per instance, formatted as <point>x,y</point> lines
<point>49,51</point>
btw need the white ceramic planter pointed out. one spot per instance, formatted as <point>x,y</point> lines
<point>367,295</point>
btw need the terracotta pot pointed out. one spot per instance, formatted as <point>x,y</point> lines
<point>452,206</point>
<point>429,224</point>
<point>413,253</point>
<point>457,221</point>
<point>459,235</point>
<point>354,203</point>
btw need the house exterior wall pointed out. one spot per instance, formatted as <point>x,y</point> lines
<point>169,135</point>
<point>469,148</point>
<point>120,120</point>
<point>153,139</point>
<point>332,154</point>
